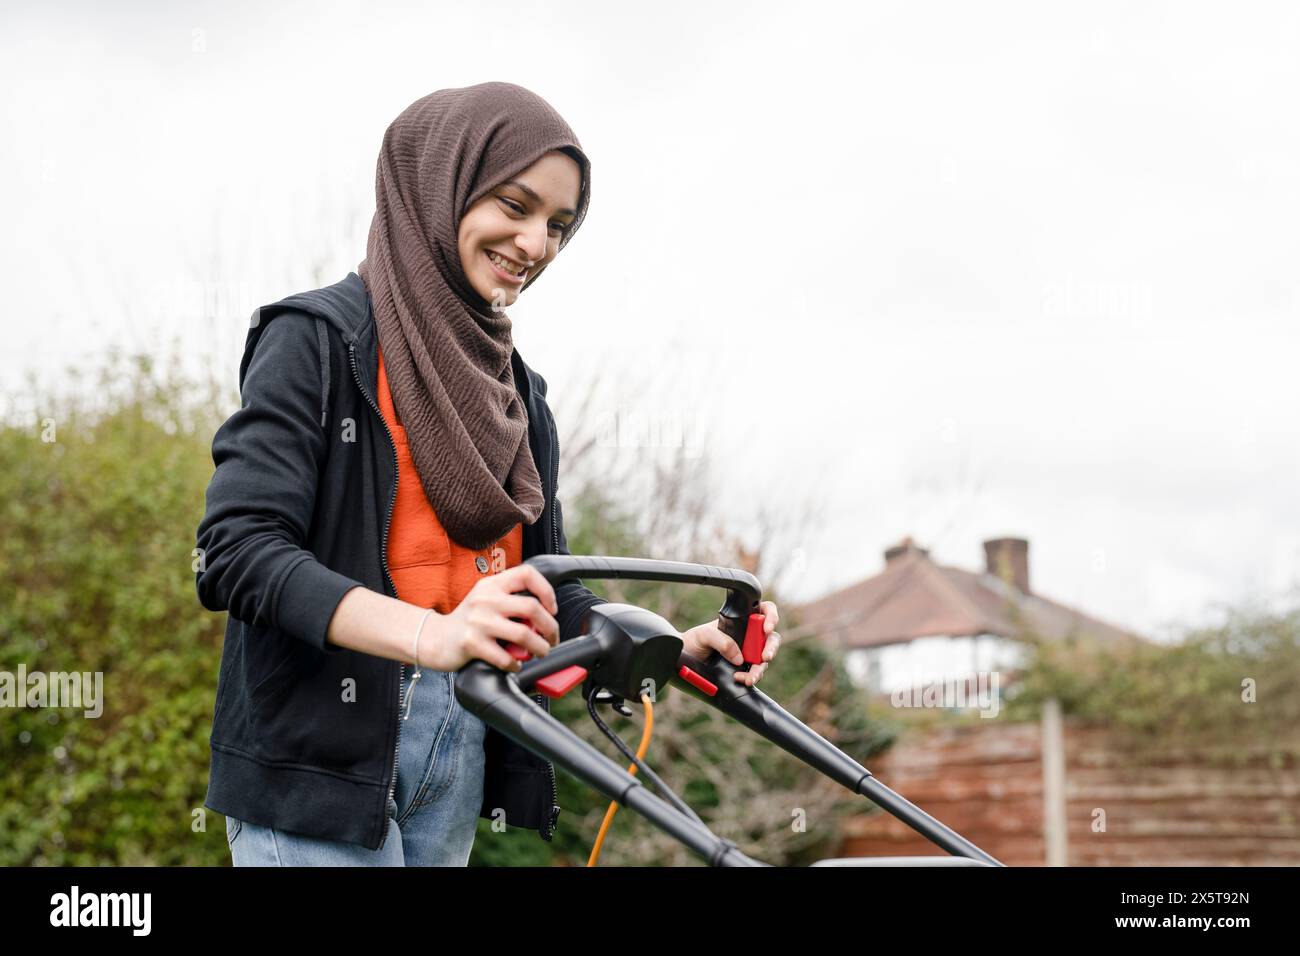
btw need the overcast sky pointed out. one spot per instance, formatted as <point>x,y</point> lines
<point>950,270</point>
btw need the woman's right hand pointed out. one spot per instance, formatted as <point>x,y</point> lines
<point>450,641</point>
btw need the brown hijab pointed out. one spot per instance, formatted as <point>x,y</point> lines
<point>446,350</point>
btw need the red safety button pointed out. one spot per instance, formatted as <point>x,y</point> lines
<point>755,640</point>
<point>561,682</point>
<point>695,680</point>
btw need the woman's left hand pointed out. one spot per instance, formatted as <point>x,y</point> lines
<point>700,640</point>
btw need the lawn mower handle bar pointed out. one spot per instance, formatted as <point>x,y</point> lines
<point>743,589</point>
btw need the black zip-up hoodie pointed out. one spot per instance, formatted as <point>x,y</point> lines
<point>304,732</point>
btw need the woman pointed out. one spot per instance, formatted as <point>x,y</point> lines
<point>392,466</point>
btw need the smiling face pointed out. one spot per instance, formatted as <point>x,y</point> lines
<point>520,221</point>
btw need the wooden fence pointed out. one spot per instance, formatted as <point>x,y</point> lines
<point>994,783</point>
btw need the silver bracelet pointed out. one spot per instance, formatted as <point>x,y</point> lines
<point>410,691</point>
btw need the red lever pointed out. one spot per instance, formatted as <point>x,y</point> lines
<point>518,651</point>
<point>755,640</point>
<point>696,680</point>
<point>561,682</point>
<point>553,685</point>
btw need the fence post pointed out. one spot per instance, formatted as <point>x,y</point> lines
<point>1053,757</point>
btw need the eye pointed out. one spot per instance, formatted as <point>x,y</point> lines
<point>559,228</point>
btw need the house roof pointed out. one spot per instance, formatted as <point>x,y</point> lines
<point>914,597</point>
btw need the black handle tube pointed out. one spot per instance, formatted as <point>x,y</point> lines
<point>921,822</point>
<point>743,589</point>
<point>761,714</point>
<point>581,651</point>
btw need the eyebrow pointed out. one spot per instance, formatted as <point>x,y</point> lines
<point>527,191</point>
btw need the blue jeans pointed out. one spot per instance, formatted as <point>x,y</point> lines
<point>435,806</point>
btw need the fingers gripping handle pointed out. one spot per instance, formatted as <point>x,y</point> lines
<point>553,685</point>
<point>518,651</point>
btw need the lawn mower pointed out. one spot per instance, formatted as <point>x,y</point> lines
<point>623,654</point>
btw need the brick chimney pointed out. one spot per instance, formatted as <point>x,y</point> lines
<point>906,546</point>
<point>1008,559</point>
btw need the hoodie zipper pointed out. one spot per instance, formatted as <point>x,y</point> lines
<point>555,487</point>
<point>552,812</point>
<point>383,557</point>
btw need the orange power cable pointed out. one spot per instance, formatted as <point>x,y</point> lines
<point>640,755</point>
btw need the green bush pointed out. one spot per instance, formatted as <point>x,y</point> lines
<point>96,535</point>
<point>1230,690</point>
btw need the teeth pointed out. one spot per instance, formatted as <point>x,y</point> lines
<point>508,267</point>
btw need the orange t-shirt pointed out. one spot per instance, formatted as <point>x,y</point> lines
<point>428,568</point>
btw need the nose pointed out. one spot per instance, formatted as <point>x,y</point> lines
<point>531,241</point>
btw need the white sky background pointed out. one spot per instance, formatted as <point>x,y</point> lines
<point>954,270</point>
